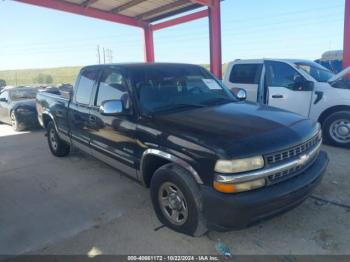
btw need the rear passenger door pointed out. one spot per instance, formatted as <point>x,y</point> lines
<point>79,110</point>
<point>247,77</point>
<point>112,137</point>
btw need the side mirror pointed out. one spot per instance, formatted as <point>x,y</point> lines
<point>301,84</point>
<point>241,95</point>
<point>112,108</point>
<point>3,99</point>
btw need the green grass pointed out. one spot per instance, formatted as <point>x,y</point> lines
<point>27,76</point>
<point>59,75</point>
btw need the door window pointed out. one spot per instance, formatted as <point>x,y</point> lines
<point>4,95</point>
<point>86,83</point>
<point>112,87</point>
<point>280,74</point>
<point>246,73</point>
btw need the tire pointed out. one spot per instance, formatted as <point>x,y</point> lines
<point>336,129</point>
<point>14,122</point>
<point>184,197</point>
<point>57,146</point>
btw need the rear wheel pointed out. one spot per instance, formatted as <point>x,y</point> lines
<point>58,147</point>
<point>336,129</point>
<point>177,200</point>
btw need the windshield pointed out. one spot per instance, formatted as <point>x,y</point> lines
<point>170,88</point>
<point>19,94</point>
<point>318,72</point>
<point>342,80</point>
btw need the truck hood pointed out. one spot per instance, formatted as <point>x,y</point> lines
<point>340,75</point>
<point>239,129</point>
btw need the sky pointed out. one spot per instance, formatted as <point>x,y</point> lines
<point>35,37</point>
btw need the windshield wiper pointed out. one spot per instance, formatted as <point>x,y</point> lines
<point>177,106</point>
<point>219,100</point>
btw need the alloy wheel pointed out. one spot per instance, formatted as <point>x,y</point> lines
<point>173,203</point>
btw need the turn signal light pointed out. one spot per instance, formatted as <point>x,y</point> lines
<point>224,188</point>
<point>241,187</point>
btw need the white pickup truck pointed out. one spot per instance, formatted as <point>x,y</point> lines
<point>300,86</point>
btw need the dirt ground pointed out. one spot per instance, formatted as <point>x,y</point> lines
<point>78,205</point>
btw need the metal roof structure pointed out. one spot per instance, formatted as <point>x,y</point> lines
<point>146,15</point>
<point>144,10</point>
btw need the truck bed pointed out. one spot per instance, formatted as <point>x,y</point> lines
<point>54,103</point>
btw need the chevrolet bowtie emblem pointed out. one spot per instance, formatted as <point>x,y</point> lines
<point>303,159</point>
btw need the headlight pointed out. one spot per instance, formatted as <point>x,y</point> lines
<point>239,165</point>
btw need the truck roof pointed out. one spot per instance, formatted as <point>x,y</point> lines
<point>141,65</point>
<point>260,61</point>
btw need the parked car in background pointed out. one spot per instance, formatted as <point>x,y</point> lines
<point>333,60</point>
<point>17,107</point>
<point>210,159</point>
<point>299,86</point>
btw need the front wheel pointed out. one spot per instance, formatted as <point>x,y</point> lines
<point>14,122</point>
<point>336,129</point>
<point>176,199</point>
<point>58,147</point>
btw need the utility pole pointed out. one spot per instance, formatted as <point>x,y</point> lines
<point>104,56</point>
<point>109,55</point>
<point>98,54</point>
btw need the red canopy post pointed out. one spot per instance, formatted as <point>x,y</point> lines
<point>148,44</point>
<point>215,39</point>
<point>346,60</point>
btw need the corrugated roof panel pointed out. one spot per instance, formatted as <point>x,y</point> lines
<point>167,11</point>
<point>145,7</point>
<point>108,5</point>
<point>139,8</point>
<point>75,1</point>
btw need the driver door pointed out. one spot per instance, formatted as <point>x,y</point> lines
<point>4,106</point>
<point>287,89</point>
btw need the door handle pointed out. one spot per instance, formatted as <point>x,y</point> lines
<point>277,96</point>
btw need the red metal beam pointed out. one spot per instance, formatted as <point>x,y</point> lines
<point>181,20</point>
<point>148,44</point>
<point>346,59</point>
<point>80,10</point>
<point>215,39</point>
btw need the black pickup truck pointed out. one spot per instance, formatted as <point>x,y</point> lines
<point>210,159</point>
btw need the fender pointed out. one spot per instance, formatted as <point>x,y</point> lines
<point>51,117</point>
<point>171,158</point>
<point>59,133</point>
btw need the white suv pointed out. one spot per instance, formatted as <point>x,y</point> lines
<point>300,86</point>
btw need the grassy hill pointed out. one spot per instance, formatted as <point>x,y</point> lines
<point>28,76</point>
<point>59,75</point>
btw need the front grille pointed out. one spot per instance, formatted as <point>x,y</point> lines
<point>281,176</point>
<point>293,152</point>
